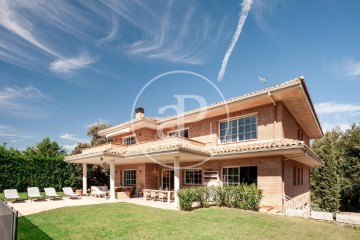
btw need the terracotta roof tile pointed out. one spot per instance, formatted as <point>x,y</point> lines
<point>176,143</point>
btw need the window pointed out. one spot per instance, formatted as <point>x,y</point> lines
<point>129,177</point>
<point>238,129</point>
<point>237,175</point>
<point>168,180</point>
<point>300,134</point>
<point>179,133</point>
<point>294,176</point>
<point>193,176</point>
<point>298,176</point>
<point>129,140</point>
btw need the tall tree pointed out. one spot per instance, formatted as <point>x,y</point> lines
<point>79,148</point>
<point>93,132</point>
<point>46,148</point>
<point>350,168</point>
<point>325,181</point>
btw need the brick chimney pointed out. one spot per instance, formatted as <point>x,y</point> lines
<point>139,113</point>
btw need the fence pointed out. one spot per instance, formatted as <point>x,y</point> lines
<point>8,222</point>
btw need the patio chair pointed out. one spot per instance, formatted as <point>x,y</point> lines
<point>11,194</point>
<point>147,194</point>
<point>51,193</point>
<point>162,196</point>
<point>154,195</point>
<point>69,192</point>
<point>95,191</point>
<point>33,192</point>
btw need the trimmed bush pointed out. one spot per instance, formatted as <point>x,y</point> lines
<point>244,196</point>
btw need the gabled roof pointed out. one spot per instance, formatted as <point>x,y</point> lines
<point>294,94</point>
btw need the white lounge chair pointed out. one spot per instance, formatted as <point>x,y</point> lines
<point>51,193</point>
<point>11,194</point>
<point>69,192</point>
<point>33,192</point>
<point>95,191</point>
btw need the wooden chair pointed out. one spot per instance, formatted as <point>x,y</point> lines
<point>162,196</point>
<point>154,195</point>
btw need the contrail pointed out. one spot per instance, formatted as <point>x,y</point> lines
<point>245,8</point>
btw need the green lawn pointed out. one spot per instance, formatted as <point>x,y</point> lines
<point>129,221</point>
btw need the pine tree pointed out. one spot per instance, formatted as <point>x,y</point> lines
<point>325,181</point>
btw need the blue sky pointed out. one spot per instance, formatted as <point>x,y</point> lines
<point>65,65</point>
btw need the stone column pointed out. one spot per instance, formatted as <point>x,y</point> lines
<point>176,179</point>
<point>112,180</point>
<point>84,178</point>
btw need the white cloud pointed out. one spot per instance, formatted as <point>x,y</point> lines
<point>99,121</point>
<point>353,69</point>
<point>21,101</point>
<point>332,114</point>
<point>9,134</point>
<point>15,23</point>
<point>70,64</point>
<point>332,107</point>
<point>245,8</point>
<point>112,32</point>
<point>72,137</point>
<point>69,147</point>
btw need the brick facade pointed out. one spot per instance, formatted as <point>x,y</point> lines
<point>274,174</point>
<point>269,176</point>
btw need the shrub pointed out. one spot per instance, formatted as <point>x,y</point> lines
<point>185,198</point>
<point>244,196</point>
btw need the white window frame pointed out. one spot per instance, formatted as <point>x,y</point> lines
<point>192,169</point>
<point>178,131</point>
<point>236,118</point>
<point>123,177</point>
<point>127,137</point>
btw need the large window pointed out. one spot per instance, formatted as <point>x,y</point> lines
<point>179,133</point>
<point>129,177</point>
<point>237,175</point>
<point>238,129</point>
<point>129,140</point>
<point>193,176</point>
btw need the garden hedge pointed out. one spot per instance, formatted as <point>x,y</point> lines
<point>243,196</point>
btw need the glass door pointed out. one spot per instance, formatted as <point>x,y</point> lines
<point>167,180</point>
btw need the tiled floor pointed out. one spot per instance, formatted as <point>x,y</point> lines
<point>27,207</point>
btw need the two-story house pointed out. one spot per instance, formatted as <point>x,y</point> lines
<point>262,138</point>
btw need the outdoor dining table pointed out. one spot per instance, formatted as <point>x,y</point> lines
<point>168,193</point>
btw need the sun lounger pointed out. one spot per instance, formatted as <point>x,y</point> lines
<point>69,192</point>
<point>51,193</point>
<point>34,193</point>
<point>11,194</point>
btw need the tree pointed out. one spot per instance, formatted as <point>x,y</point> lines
<point>93,132</point>
<point>325,181</point>
<point>46,148</point>
<point>79,148</point>
<point>350,168</point>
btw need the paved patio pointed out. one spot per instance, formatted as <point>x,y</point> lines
<point>27,207</point>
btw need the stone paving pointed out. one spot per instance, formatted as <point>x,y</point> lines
<point>27,207</point>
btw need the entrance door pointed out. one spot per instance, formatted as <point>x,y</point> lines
<point>168,180</point>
